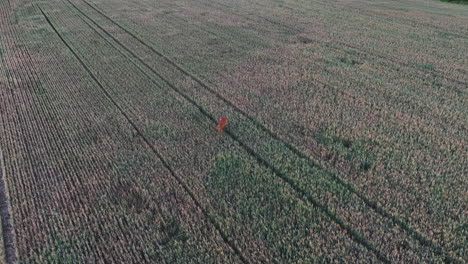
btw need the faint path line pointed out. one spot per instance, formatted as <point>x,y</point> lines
<point>7,227</point>
<point>236,250</point>
<point>372,204</point>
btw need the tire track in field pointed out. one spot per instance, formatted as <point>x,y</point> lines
<point>112,46</point>
<point>33,105</point>
<point>384,59</point>
<point>328,44</point>
<point>365,56</point>
<point>354,235</point>
<point>23,81</point>
<point>373,205</point>
<point>154,150</point>
<point>301,193</point>
<point>48,123</point>
<point>121,227</point>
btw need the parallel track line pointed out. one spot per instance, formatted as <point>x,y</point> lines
<point>155,151</point>
<point>303,194</point>
<point>373,205</point>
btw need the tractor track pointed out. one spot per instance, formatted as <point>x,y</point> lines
<point>355,236</point>
<point>366,56</point>
<point>147,142</point>
<point>373,205</point>
<point>301,193</point>
<point>397,221</point>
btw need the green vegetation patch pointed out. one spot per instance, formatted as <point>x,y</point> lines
<point>356,150</point>
<point>14,18</point>
<point>126,195</point>
<point>158,130</point>
<point>462,232</point>
<point>41,91</point>
<point>130,163</point>
<point>124,191</point>
<point>343,62</point>
<point>304,40</point>
<point>63,249</point>
<point>171,245</point>
<point>171,241</point>
<point>427,66</point>
<point>255,201</point>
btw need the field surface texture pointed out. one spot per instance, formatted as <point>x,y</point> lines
<point>346,139</point>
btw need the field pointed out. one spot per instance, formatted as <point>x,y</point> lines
<point>346,139</point>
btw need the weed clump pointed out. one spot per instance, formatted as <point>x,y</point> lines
<point>304,40</point>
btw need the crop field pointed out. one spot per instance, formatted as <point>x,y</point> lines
<point>346,141</point>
